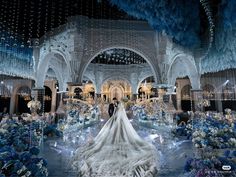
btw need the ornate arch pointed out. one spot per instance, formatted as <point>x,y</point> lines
<point>148,59</point>
<point>186,92</point>
<point>114,87</point>
<point>141,80</point>
<point>183,65</point>
<point>44,66</point>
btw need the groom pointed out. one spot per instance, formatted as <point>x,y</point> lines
<point>112,106</point>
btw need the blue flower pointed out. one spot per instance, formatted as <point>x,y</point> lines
<point>34,151</point>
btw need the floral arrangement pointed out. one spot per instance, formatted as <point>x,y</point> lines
<point>79,117</point>
<point>145,112</point>
<point>18,151</point>
<point>204,103</point>
<point>212,131</point>
<point>211,166</point>
<point>181,130</point>
<point>34,105</point>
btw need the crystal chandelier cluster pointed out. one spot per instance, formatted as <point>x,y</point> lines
<point>119,57</point>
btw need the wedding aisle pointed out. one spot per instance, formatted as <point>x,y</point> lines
<point>59,153</point>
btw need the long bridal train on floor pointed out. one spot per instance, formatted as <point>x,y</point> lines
<point>117,151</point>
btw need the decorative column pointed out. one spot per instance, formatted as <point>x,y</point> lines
<point>13,103</point>
<point>98,84</point>
<point>36,54</point>
<point>75,67</point>
<point>178,98</point>
<point>54,97</point>
<point>134,85</point>
<point>196,98</point>
<point>218,102</point>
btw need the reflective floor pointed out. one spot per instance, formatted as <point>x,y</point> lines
<point>173,152</point>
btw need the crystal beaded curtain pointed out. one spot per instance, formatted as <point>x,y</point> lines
<point>23,25</point>
<point>220,85</point>
<point>5,88</point>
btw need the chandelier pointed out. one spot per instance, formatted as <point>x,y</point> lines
<point>25,93</point>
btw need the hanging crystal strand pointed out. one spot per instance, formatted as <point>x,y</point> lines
<point>1,23</point>
<point>10,27</point>
<point>36,43</point>
<point>52,20</point>
<point>60,9</point>
<point>14,14</point>
<point>16,25</point>
<point>92,26</point>
<point>23,27</point>
<point>4,11</point>
<point>100,27</point>
<point>29,39</point>
<point>31,16</point>
<point>206,6</point>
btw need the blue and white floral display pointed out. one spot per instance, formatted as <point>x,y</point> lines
<point>19,152</point>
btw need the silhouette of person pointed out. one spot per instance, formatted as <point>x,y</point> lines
<point>112,106</point>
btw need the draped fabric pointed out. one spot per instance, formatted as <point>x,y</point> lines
<point>117,151</point>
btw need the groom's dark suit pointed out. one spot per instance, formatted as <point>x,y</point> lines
<point>111,109</point>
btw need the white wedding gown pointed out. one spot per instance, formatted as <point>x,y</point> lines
<point>117,151</point>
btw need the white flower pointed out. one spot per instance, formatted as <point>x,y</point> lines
<point>203,134</point>
<point>28,173</point>
<point>23,168</point>
<point>3,131</point>
<point>233,141</point>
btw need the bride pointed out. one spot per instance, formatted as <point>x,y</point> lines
<point>117,151</point>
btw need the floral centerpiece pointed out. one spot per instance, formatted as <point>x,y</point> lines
<point>34,106</point>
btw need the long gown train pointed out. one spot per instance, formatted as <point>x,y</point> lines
<point>117,151</point>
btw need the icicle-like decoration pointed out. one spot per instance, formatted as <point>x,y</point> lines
<point>227,12</point>
<point>223,53</point>
<point>179,19</point>
<point>15,66</point>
